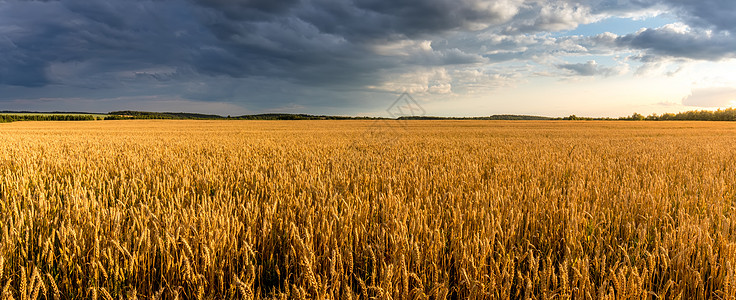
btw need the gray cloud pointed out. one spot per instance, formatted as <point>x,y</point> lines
<point>674,41</point>
<point>591,68</point>
<point>550,16</point>
<point>249,9</point>
<point>713,14</point>
<point>19,69</point>
<point>408,18</point>
<point>709,32</point>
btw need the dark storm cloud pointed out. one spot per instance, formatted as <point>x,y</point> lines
<point>227,50</point>
<point>420,16</point>
<point>18,69</point>
<point>289,49</point>
<point>361,19</point>
<point>114,35</point>
<point>313,42</point>
<point>332,42</point>
<point>249,9</point>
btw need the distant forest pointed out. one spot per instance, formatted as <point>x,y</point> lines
<point>493,117</point>
<point>45,117</point>
<point>728,114</point>
<point>121,115</point>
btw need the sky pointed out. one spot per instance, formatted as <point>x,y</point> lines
<point>598,58</point>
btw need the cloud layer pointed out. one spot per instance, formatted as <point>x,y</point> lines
<point>325,55</point>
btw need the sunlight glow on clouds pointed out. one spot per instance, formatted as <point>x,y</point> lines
<point>469,57</point>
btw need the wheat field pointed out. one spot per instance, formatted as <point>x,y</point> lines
<point>367,210</point>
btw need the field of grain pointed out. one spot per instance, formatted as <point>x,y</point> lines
<point>363,209</point>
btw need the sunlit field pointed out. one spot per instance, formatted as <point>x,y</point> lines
<point>366,209</point>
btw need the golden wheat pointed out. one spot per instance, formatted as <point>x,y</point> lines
<point>359,209</point>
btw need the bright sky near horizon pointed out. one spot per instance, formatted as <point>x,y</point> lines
<point>599,58</point>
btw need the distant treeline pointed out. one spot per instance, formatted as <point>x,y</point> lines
<point>493,117</point>
<point>296,117</point>
<point>28,112</point>
<point>13,118</point>
<point>728,114</point>
<point>129,114</point>
<point>122,115</point>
